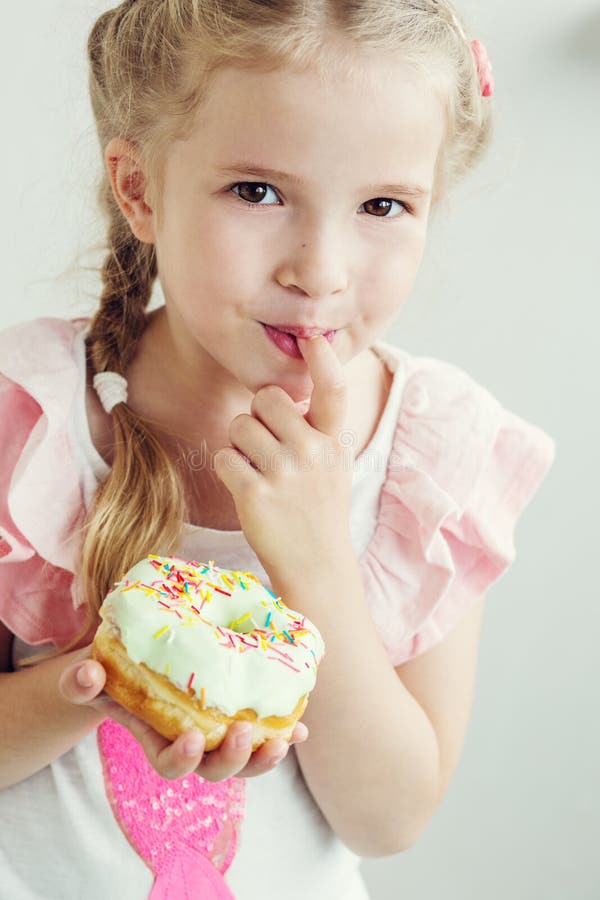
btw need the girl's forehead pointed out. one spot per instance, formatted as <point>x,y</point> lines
<point>380,108</point>
<point>371,78</point>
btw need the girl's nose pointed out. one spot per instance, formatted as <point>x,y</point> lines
<point>316,265</point>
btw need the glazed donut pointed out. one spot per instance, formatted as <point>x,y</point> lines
<point>191,645</point>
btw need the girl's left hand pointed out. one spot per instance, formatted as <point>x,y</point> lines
<point>290,475</point>
<point>82,683</point>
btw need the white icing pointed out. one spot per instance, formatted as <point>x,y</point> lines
<point>179,631</point>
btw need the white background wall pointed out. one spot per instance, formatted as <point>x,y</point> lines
<point>509,291</point>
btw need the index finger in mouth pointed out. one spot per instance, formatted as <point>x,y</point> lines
<point>328,399</point>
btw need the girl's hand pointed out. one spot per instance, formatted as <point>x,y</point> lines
<point>82,683</point>
<point>291,475</point>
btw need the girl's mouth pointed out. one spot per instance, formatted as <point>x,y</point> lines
<point>287,343</point>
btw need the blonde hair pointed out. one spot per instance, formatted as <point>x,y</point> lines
<point>150,63</point>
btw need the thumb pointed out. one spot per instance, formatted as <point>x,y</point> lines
<point>83,679</point>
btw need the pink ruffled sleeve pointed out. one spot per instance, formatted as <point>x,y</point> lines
<point>462,469</point>
<point>41,501</point>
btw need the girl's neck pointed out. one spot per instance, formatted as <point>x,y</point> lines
<point>202,417</point>
<point>152,394</point>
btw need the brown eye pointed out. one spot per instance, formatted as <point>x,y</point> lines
<point>252,191</point>
<point>382,206</point>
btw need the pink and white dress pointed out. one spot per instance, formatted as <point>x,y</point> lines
<point>435,499</point>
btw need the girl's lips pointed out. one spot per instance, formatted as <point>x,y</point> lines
<point>287,343</point>
<point>299,331</point>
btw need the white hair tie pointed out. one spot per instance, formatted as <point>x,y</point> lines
<point>111,388</point>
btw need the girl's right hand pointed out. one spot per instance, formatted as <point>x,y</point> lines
<point>82,683</point>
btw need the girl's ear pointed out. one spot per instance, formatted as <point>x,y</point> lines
<point>128,183</point>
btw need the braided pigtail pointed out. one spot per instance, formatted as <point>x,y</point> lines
<point>140,507</point>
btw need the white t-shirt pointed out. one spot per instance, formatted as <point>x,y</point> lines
<point>59,839</point>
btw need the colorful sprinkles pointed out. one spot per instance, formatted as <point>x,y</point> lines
<point>186,590</point>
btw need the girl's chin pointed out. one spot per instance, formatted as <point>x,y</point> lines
<point>294,388</point>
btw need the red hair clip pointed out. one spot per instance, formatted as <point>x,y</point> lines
<point>484,68</point>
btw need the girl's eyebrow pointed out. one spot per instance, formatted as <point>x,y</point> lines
<point>410,190</point>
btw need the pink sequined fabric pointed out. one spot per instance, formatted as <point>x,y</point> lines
<point>185,830</point>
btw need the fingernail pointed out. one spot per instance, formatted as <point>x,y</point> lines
<point>193,745</point>
<point>244,738</point>
<point>301,732</point>
<point>83,677</point>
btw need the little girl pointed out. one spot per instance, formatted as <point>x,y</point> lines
<point>274,165</point>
